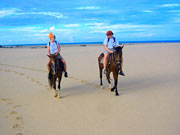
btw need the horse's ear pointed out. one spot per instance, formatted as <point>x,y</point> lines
<point>122,47</point>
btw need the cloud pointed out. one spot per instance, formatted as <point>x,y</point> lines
<point>52,28</point>
<point>174,11</point>
<point>119,26</point>
<point>54,14</point>
<point>90,19</point>
<point>7,12</point>
<point>102,27</point>
<point>16,11</point>
<point>177,20</point>
<point>88,8</point>
<point>42,31</point>
<point>63,31</point>
<point>170,5</point>
<point>143,34</point>
<point>98,31</point>
<point>72,25</point>
<point>25,29</point>
<point>41,34</point>
<point>94,24</point>
<point>148,11</point>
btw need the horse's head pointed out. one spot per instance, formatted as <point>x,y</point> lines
<point>53,59</point>
<point>117,54</point>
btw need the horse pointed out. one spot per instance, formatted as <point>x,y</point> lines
<point>114,66</point>
<point>56,70</point>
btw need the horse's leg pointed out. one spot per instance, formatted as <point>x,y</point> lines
<point>100,72</point>
<point>100,69</point>
<point>115,76</point>
<point>59,85</point>
<point>54,86</point>
<point>108,78</point>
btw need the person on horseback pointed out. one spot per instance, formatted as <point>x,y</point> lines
<point>109,43</point>
<point>54,48</point>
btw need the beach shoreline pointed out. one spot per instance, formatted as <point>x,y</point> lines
<point>83,45</point>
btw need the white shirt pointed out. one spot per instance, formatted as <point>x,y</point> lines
<point>53,47</point>
<point>111,43</point>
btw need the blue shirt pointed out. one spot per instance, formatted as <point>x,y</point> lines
<point>53,47</point>
<point>111,43</point>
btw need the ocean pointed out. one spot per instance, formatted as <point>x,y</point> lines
<point>93,43</point>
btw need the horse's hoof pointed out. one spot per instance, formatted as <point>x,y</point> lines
<point>112,90</point>
<point>110,86</point>
<point>102,87</point>
<point>117,94</point>
<point>55,94</point>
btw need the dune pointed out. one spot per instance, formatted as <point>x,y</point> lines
<point>147,105</point>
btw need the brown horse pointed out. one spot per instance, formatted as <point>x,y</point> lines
<point>114,66</point>
<point>56,70</point>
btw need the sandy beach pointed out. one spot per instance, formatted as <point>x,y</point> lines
<point>148,103</point>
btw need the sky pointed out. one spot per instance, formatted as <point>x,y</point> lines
<point>30,21</point>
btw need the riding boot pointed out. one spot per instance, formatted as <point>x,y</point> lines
<point>65,74</point>
<point>122,73</point>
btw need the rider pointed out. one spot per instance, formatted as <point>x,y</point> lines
<point>54,48</point>
<point>109,43</point>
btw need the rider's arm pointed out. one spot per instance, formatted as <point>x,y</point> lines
<point>105,46</point>
<point>117,42</point>
<point>59,49</point>
<point>48,50</point>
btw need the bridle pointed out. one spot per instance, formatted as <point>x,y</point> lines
<point>116,61</point>
<point>53,62</point>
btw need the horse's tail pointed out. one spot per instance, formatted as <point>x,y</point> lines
<point>50,79</point>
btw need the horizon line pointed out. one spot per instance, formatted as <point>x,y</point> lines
<point>71,43</point>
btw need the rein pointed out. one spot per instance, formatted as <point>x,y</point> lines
<point>114,59</point>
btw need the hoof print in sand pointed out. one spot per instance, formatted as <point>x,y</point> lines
<point>16,106</point>
<point>20,119</point>
<point>13,112</point>
<point>17,126</point>
<point>19,134</point>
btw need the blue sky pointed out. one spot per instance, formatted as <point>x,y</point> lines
<point>30,21</point>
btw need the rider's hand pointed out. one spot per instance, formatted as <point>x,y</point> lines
<point>56,53</point>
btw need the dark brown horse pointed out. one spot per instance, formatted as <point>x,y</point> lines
<point>56,70</point>
<point>114,66</point>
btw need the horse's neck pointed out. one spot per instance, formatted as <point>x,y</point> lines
<point>112,59</point>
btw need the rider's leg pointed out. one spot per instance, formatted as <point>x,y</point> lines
<point>106,55</point>
<point>121,61</point>
<point>64,62</point>
<point>121,71</point>
<point>65,68</point>
<point>48,65</point>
